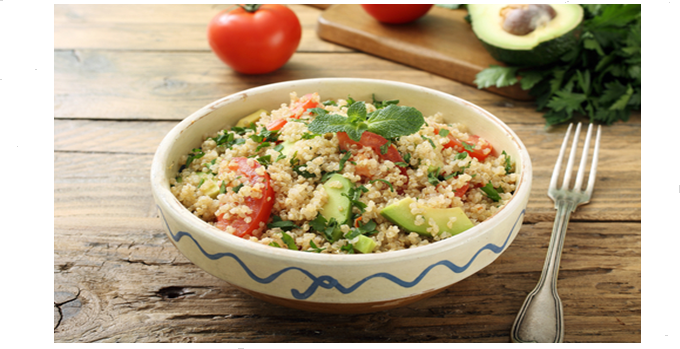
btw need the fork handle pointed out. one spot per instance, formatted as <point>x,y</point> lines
<point>540,319</point>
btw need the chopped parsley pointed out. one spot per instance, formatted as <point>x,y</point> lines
<point>354,196</point>
<point>277,222</point>
<point>314,247</point>
<point>288,240</point>
<point>600,77</point>
<point>349,248</point>
<point>491,192</point>
<point>295,162</point>
<point>237,188</point>
<point>382,104</point>
<point>327,228</point>
<point>196,153</point>
<point>443,132</point>
<point>365,229</point>
<point>384,181</point>
<point>433,176</point>
<point>385,147</point>
<point>264,160</point>
<point>508,162</point>
<point>434,146</point>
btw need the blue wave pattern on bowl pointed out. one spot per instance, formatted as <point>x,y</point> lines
<point>327,281</point>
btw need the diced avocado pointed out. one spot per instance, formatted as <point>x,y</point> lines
<point>251,118</point>
<point>338,206</point>
<point>364,244</point>
<point>286,147</point>
<point>400,214</point>
<point>526,35</point>
<point>209,187</point>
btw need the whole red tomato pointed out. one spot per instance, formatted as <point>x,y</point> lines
<point>397,13</point>
<point>255,39</point>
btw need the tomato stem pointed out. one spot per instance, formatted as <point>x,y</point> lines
<point>250,7</point>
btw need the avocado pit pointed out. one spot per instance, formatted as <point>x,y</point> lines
<point>524,19</point>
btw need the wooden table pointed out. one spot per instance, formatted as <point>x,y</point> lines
<point>125,75</point>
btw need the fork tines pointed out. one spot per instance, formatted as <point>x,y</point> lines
<point>570,162</point>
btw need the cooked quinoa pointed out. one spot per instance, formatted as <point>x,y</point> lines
<point>288,167</point>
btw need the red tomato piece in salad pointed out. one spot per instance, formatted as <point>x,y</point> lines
<point>276,124</point>
<point>470,146</point>
<point>261,207</point>
<point>375,142</point>
<point>308,101</point>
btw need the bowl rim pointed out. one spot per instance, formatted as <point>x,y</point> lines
<point>169,204</point>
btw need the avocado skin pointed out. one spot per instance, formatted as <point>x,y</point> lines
<point>544,53</point>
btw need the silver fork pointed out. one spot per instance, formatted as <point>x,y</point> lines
<point>540,319</point>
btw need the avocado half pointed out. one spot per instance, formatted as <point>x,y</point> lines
<point>543,45</point>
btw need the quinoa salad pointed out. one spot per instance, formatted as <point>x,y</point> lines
<point>344,176</point>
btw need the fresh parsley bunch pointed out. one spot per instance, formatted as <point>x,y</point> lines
<point>601,77</point>
<point>388,122</point>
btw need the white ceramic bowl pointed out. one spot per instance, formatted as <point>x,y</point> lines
<point>355,283</point>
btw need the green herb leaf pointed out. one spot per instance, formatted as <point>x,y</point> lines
<point>497,76</point>
<point>385,147</point>
<point>382,104</point>
<point>434,146</point>
<point>349,248</point>
<point>289,241</point>
<point>491,192</point>
<point>395,121</point>
<point>389,122</point>
<point>433,177</point>
<point>264,160</point>
<point>314,247</point>
<point>277,222</point>
<point>601,77</point>
<point>384,181</point>
<point>508,162</point>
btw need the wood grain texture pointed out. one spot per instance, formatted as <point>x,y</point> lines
<point>168,27</point>
<point>154,85</point>
<point>441,42</point>
<point>125,282</point>
<point>125,75</point>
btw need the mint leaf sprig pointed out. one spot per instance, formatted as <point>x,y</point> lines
<point>388,122</point>
<point>600,77</point>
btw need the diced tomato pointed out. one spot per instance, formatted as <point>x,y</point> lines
<point>261,207</point>
<point>479,153</point>
<point>374,141</point>
<point>308,101</point>
<point>276,124</point>
<point>462,190</point>
<point>356,222</point>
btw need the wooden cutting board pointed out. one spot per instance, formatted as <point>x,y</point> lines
<point>441,42</point>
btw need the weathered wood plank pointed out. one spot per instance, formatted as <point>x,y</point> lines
<point>168,27</point>
<point>155,85</point>
<point>118,177</point>
<point>124,281</point>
